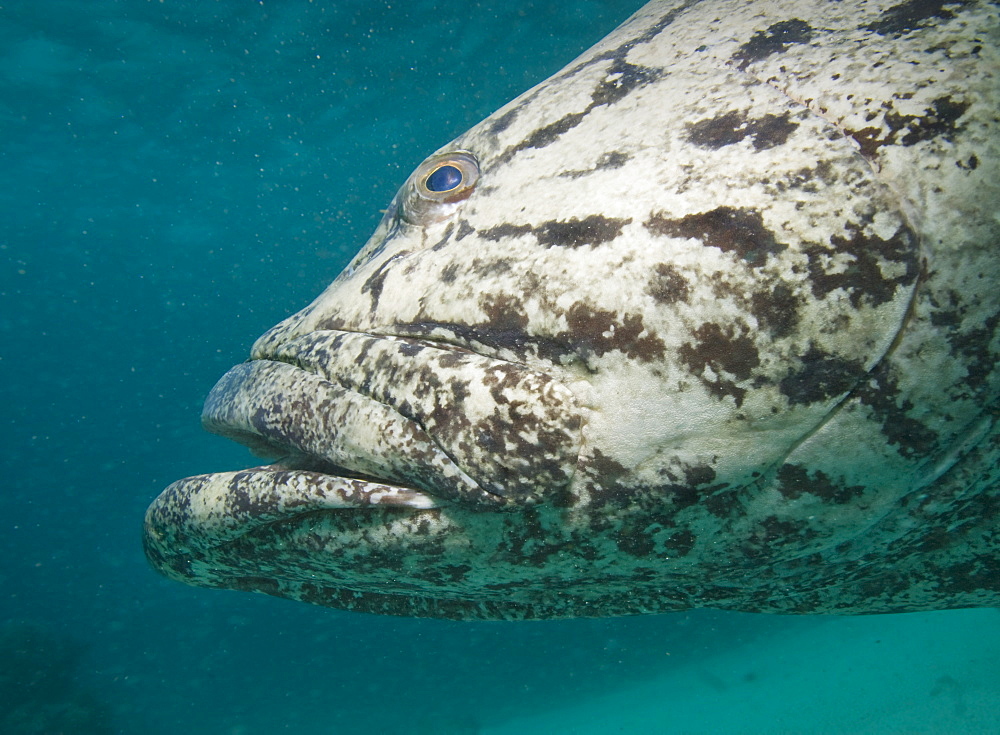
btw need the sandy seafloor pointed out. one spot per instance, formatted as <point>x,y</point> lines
<point>175,177</point>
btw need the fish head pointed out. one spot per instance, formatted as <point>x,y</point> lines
<point>594,328</point>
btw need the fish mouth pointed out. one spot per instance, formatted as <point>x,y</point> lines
<point>359,421</point>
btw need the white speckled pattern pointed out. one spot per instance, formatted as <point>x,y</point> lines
<point>714,324</point>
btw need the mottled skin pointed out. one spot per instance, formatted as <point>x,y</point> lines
<point>715,326</point>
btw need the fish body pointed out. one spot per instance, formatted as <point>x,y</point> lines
<point>707,319</point>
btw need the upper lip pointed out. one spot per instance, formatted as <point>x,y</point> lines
<point>290,404</point>
<point>476,430</point>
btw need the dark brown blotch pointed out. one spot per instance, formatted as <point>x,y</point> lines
<point>550,133</point>
<point>239,502</point>
<point>721,349</point>
<point>607,161</point>
<point>734,126</point>
<point>464,230</point>
<point>621,80</point>
<point>981,361</point>
<point>635,539</point>
<point>774,533</point>
<point>882,394</point>
<point>667,285</point>
<point>504,313</point>
<point>593,230</point>
<point>448,417</point>
<point>680,543</point>
<point>775,39</point>
<point>776,309</point>
<point>612,160</point>
<point>504,121</point>
<point>975,575</point>
<point>603,478</point>
<point>907,16</point>
<point>794,481</point>
<point>529,542</point>
<point>700,474</point>
<point>969,164</point>
<point>940,120</point>
<point>732,230</point>
<point>862,279</point>
<point>820,376</point>
<point>373,286</point>
<point>596,332</point>
<point>445,238</point>
<point>505,230</point>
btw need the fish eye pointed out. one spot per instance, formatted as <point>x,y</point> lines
<point>440,182</point>
<point>444,178</point>
<point>447,177</point>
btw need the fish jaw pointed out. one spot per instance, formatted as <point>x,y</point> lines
<point>364,424</point>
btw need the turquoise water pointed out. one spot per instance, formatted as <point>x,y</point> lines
<point>175,177</point>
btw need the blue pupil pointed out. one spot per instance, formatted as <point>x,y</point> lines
<point>445,178</point>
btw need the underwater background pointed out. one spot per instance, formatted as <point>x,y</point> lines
<point>175,178</point>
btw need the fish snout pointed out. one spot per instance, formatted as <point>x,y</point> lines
<point>443,420</point>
